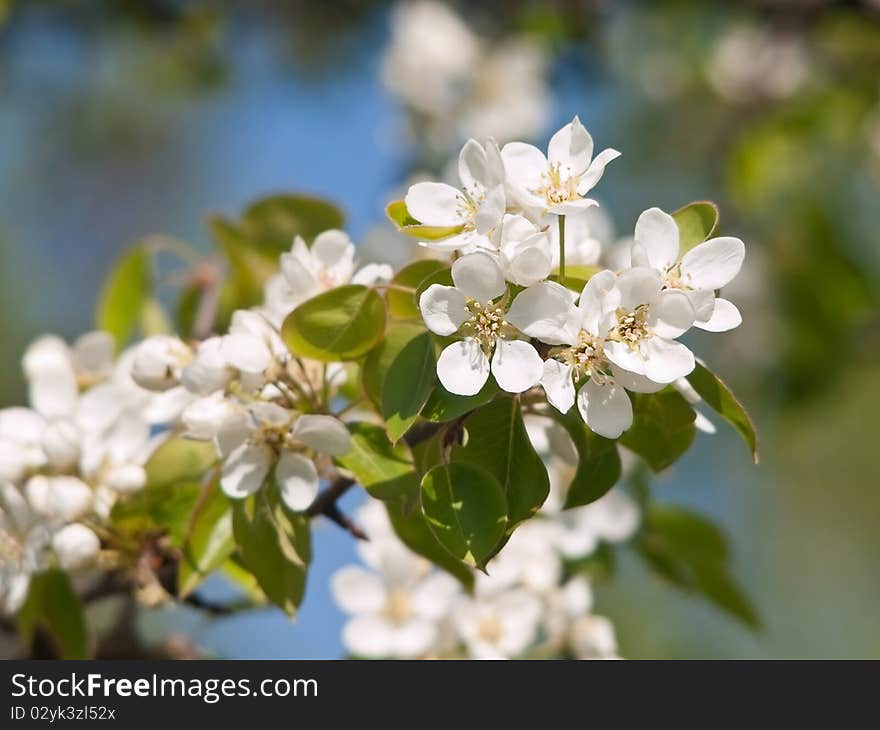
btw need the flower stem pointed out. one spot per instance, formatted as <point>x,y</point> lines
<point>562,250</point>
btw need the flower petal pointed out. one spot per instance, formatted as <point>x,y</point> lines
<point>491,210</point>
<point>543,310</point>
<point>245,470</point>
<point>666,360</point>
<point>297,480</point>
<point>463,368</point>
<point>295,268</point>
<point>671,314</point>
<point>524,164</point>
<point>443,309</point>
<point>324,434</point>
<point>356,590</point>
<point>246,352</point>
<point>635,382</point>
<point>725,316</point>
<point>605,408</point>
<point>657,233</point>
<point>75,546</point>
<point>625,357</point>
<point>597,168</point>
<point>599,296</point>
<point>516,365</point>
<point>435,204</point>
<point>333,248</point>
<point>713,263</point>
<point>638,285</point>
<point>571,148</point>
<point>558,385</point>
<point>478,276</point>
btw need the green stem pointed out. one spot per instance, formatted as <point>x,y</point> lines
<point>562,250</point>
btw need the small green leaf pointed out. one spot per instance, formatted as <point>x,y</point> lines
<point>663,427</point>
<point>576,277</point>
<point>154,318</point>
<point>52,605</point>
<point>599,465</point>
<point>209,541</point>
<point>404,304</point>
<point>275,546</point>
<point>721,399</point>
<point>465,509</point>
<point>444,406</point>
<point>341,324</point>
<point>377,362</point>
<point>272,222</point>
<point>409,381</point>
<point>179,460</point>
<point>405,223</point>
<point>384,470</point>
<point>125,292</point>
<point>696,222</point>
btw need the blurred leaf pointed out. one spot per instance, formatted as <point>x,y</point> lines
<point>341,324</point>
<point>179,460</point>
<point>53,606</point>
<point>405,223</point>
<point>409,380</point>
<point>663,427</point>
<point>126,290</point>
<point>576,277</point>
<point>696,222</point>
<point>375,368</point>
<point>271,223</point>
<point>404,305</point>
<point>691,552</point>
<point>384,470</point>
<point>187,309</point>
<point>243,579</point>
<point>275,545</point>
<point>209,541</point>
<point>598,468</point>
<point>154,319</point>
<point>721,399</point>
<point>445,406</point>
<point>465,509</point>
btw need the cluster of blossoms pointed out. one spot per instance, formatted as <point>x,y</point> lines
<point>528,605</point>
<point>513,316</point>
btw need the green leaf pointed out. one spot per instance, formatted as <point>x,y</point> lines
<point>412,528</point>
<point>599,465</point>
<point>272,222</point>
<point>444,406</point>
<point>691,552</point>
<point>275,546</point>
<point>405,223</point>
<point>377,362</point>
<point>209,541</point>
<point>409,381</point>
<point>696,222</point>
<point>340,324</point>
<point>576,277</point>
<point>386,471</point>
<point>497,442</point>
<point>154,318</point>
<point>721,399</point>
<point>465,509</point>
<point>405,305</point>
<point>663,427</point>
<point>126,290</point>
<point>179,460</point>
<point>53,606</point>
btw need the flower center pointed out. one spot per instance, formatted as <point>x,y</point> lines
<point>556,188</point>
<point>11,550</point>
<point>398,606</point>
<point>586,356</point>
<point>468,204</point>
<point>674,279</point>
<point>632,327</point>
<point>485,324</point>
<point>489,629</point>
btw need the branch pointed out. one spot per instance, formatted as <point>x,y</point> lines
<point>210,281</point>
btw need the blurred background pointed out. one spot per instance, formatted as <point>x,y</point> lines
<point>123,119</point>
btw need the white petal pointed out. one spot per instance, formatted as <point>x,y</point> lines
<point>558,385</point>
<point>297,480</point>
<point>639,285</point>
<point>599,296</point>
<point>703,424</point>
<point>297,273</point>
<point>473,166</point>
<point>605,408</point>
<point>435,204</point>
<point>53,395</point>
<point>671,314</point>
<point>75,546</point>
<point>246,353</point>
<point>356,590</point>
<point>657,233</point>
<point>127,478</point>
<point>543,311</point>
<point>597,169</point>
<point>491,210</point>
<point>432,597</point>
<point>725,316</point>
<point>62,443</point>
<point>666,360</point>
<point>324,434</point>
<point>245,470</point>
<point>332,249</point>
<point>571,148</point>
<point>369,635</point>
<point>516,365</point>
<point>625,357</point>
<point>373,274</point>
<point>479,277</point>
<point>575,207</point>
<point>93,353</point>
<point>524,164</point>
<point>635,382</point>
<point>443,309</point>
<point>713,263</point>
<point>208,372</point>
<point>703,302</point>
<point>463,368</point>
<point>529,266</point>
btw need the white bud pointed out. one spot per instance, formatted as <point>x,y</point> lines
<point>75,546</point>
<point>61,442</point>
<point>126,478</point>
<point>208,372</point>
<point>61,498</point>
<point>158,362</point>
<point>13,461</point>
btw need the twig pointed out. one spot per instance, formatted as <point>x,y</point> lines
<point>211,282</point>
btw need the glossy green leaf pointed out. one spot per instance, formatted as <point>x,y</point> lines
<point>386,471</point>
<point>444,406</point>
<point>126,290</point>
<point>663,427</point>
<point>721,399</point>
<point>208,542</point>
<point>404,304</point>
<point>275,546</point>
<point>340,324</point>
<point>598,468</point>
<point>272,222</point>
<point>377,362</point>
<point>405,223</point>
<point>409,381</point>
<point>465,509</point>
<point>696,222</point>
<point>52,605</point>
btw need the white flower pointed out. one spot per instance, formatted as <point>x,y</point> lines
<point>586,235</point>
<point>23,543</point>
<point>526,254</point>
<point>576,533</point>
<point>705,268</point>
<point>475,307</point>
<point>529,560</point>
<point>75,546</point>
<point>21,440</point>
<point>592,637</point>
<point>477,209</point>
<point>159,361</point>
<point>562,606</point>
<point>500,627</point>
<point>58,499</point>
<point>558,182</point>
<point>209,370</point>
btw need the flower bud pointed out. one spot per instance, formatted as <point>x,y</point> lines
<point>158,362</point>
<point>126,478</point>
<point>75,546</point>
<point>61,442</point>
